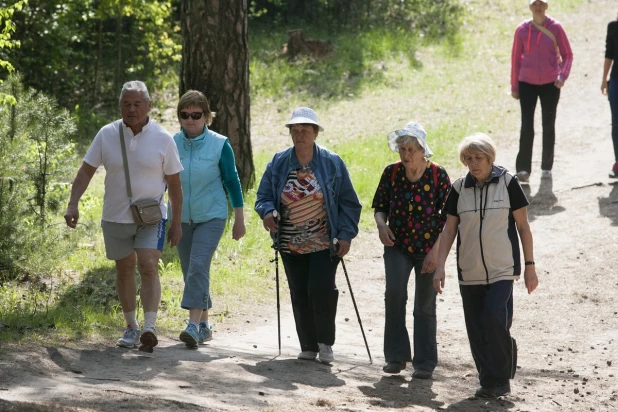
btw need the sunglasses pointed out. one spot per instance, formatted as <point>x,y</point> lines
<point>193,115</point>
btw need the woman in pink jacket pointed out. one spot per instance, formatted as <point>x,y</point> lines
<point>540,64</point>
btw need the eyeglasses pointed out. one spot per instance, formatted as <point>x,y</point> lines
<point>193,115</point>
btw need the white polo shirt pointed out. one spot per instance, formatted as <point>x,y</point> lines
<point>151,154</point>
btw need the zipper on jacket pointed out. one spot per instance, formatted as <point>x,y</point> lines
<point>482,214</point>
<point>189,194</point>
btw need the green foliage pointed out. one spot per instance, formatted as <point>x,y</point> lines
<point>82,51</point>
<point>7,27</point>
<point>433,18</point>
<point>35,155</point>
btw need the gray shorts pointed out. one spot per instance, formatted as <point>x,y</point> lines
<point>121,239</point>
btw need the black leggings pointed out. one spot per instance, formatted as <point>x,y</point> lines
<point>528,96</point>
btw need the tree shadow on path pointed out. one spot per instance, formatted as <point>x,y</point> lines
<point>285,374</point>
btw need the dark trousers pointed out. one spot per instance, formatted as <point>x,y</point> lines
<point>488,311</point>
<point>528,96</point>
<point>398,267</point>
<point>613,104</point>
<point>311,278</point>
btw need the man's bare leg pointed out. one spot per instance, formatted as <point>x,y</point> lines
<point>148,266</point>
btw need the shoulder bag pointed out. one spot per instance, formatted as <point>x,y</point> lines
<point>145,212</point>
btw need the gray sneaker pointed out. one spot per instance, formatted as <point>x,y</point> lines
<point>326,353</point>
<point>307,355</point>
<point>205,333</point>
<point>129,338</point>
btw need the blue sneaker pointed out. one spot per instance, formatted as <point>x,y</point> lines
<point>190,336</point>
<point>205,333</point>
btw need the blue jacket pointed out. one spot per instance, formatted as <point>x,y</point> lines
<point>202,186</point>
<point>342,205</point>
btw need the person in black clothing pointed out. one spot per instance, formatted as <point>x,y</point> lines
<point>610,87</point>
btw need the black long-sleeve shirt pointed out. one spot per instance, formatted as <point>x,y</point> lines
<point>611,47</point>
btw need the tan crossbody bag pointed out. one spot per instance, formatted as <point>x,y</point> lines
<point>145,212</point>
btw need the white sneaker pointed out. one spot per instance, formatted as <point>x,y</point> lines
<point>546,174</point>
<point>326,353</point>
<point>129,338</point>
<point>307,355</point>
<point>523,176</point>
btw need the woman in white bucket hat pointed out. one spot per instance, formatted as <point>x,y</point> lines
<point>308,204</point>
<point>408,204</point>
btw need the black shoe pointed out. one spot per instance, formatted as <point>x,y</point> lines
<point>494,392</point>
<point>422,374</point>
<point>502,390</point>
<point>484,392</point>
<point>394,367</point>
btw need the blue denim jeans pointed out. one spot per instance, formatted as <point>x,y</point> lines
<point>195,250</point>
<point>398,267</point>
<point>311,278</point>
<point>488,311</point>
<point>613,104</point>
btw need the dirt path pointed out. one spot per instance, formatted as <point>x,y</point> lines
<point>567,331</point>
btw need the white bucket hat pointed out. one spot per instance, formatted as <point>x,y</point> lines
<point>412,129</point>
<point>304,115</point>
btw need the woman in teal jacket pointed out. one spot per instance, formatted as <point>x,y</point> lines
<point>208,161</point>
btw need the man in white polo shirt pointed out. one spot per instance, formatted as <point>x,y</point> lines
<point>153,163</point>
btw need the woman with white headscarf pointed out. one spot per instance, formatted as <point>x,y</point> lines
<point>408,204</point>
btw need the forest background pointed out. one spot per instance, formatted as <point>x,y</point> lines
<point>65,63</point>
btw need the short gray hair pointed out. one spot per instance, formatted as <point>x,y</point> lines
<point>477,143</point>
<point>407,139</point>
<point>135,86</point>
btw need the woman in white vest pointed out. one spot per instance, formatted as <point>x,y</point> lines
<point>208,161</point>
<point>487,209</point>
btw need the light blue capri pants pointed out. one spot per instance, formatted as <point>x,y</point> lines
<point>195,250</point>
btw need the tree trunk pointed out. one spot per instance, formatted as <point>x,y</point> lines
<point>215,61</point>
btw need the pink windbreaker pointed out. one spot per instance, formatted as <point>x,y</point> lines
<point>534,59</point>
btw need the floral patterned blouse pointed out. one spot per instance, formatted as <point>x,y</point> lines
<point>304,221</point>
<point>413,209</point>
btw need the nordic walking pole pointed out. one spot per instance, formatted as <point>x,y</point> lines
<point>276,247</point>
<point>278,307</point>
<point>345,271</point>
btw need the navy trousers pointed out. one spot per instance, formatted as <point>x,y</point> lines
<point>488,311</point>
<point>613,104</point>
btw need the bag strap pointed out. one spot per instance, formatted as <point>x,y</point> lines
<point>394,172</point>
<point>125,162</point>
<point>548,33</point>
<point>434,169</point>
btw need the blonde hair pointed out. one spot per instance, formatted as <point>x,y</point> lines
<point>477,143</point>
<point>195,98</point>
